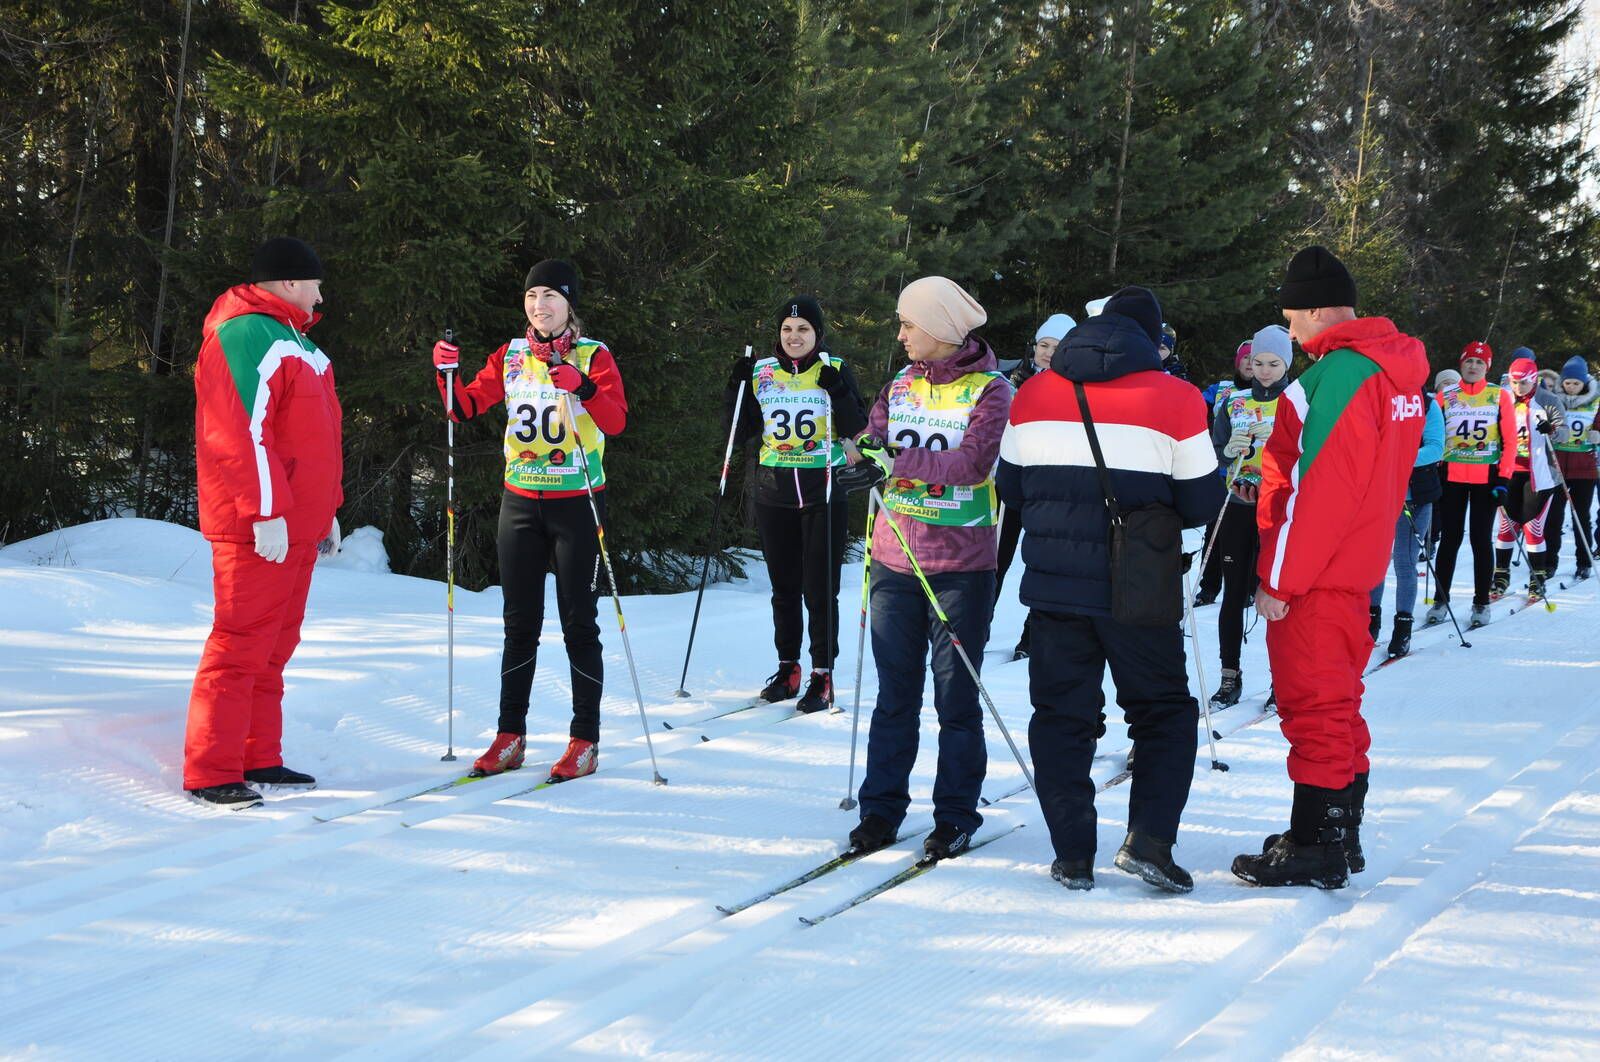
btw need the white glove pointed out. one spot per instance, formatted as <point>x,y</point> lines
<point>330,545</point>
<point>1593,438</point>
<point>1261,429</point>
<point>272,539</point>
<point>1238,444</point>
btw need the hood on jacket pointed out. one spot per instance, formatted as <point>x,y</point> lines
<point>1105,347</point>
<point>1582,398</point>
<point>242,299</point>
<point>1401,358</point>
<point>975,355</point>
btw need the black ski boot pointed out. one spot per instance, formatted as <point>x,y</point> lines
<point>1536,585</point>
<point>945,842</point>
<point>1374,621</point>
<point>784,683</point>
<point>232,796</point>
<point>1075,874</point>
<point>1227,694</point>
<point>1312,852</point>
<point>819,693</point>
<point>1354,858</point>
<point>1400,637</point>
<point>1581,574</point>
<point>280,777</point>
<point>871,833</point>
<point>1501,581</point>
<point>1205,597</point>
<point>1150,859</point>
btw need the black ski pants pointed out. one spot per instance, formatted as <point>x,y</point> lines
<point>803,565</point>
<point>537,536</point>
<point>1451,515</point>
<point>1065,674</point>
<point>1238,544</point>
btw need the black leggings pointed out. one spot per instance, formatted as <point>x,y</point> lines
<point>1450,517</point>
<point>1238,544</point>
<point>536,536</point>
<point>797,555</point>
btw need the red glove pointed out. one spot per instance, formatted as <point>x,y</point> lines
<point>446,356</point>
<point>568,378</point>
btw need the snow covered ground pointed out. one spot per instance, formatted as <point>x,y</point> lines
<point>583,920</point>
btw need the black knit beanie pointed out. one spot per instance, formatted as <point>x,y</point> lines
<point>1141,306</point>
<point>1314,279</point>
<point>284,258</point>
<point>805,307</point>
<point>557,275</point>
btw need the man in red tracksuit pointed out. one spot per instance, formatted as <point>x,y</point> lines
<point>268,457</point>
<point>1334,477</point>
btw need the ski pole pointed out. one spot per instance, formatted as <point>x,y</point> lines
<point>1216,525</point>
<point>955,640</point>
<point>849,800</point>
<point>827,513</point>
<point>450,559</point>
<point>611,575</point>
<point>1412,523</point>
<point>711,542</point>
<point>1199,668</point>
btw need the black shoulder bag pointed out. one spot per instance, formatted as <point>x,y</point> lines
<point>1146,549</point>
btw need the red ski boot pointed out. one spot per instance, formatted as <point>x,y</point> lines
<point>581,758</point>
<point>504,755</point>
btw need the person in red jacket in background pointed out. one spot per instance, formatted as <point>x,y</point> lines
<point>270,466</point>
<point>1333,480</point>
<point>545,520</point>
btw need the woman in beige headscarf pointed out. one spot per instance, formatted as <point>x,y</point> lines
<point>934,431</point>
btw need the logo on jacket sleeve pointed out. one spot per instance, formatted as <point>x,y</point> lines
<point>1404,407</point>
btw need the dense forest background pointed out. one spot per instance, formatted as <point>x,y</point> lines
<point>699,162</point>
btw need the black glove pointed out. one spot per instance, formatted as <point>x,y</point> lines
<point>1188,561</point>
<point>832,381</point>
<point>1545,427</point>
<point>858,477</point>
<point>739,374</point>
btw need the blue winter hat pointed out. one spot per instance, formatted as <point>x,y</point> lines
<point>1575,369</point>
<point>1140,305</point>
<point>1524,352</point>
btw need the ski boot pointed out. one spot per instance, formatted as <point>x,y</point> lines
<point>1400,636</point>
<point>945,842</point>
<point>1437,614</point>
<point>505,754</point>
<point>1204,598</point>
<point>1150,859</point>
<point>1354,858</point>
<point>1536,585</point>
<point>1480,617</point>
<point>783,683</point>
<point>1075,874</point>
<point>1021,651</point>
<point>1312,852</point>
<point>232,796</point>
<point>1227,694</point>
<point>1581,574</point>
<point>280,777</point>
<point>1499,584</point>
<point>871,833</point>
<point>819,693</point>
<point>581,758</point>
<point>1374,621</point>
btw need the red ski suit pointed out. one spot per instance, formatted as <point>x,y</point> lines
<point>268,444</point>
<point>1334,476</point>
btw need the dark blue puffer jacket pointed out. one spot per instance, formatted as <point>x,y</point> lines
<point>1152,428</point>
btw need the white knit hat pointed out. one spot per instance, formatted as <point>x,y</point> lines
<point>1056,327</point>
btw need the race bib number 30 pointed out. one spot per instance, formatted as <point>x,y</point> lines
<point>540,445</point>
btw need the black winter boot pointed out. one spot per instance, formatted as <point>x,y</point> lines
<point>235,796</point>
<point>1232,685</point>
<point>945,842</point>
<point>280,777</point>
<point>1353,856</point>
<point>1075,874</point>
<point>1150,859</point>
<point>819,693</point>
<point>1312,852</point>
<point>1400,637</point>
